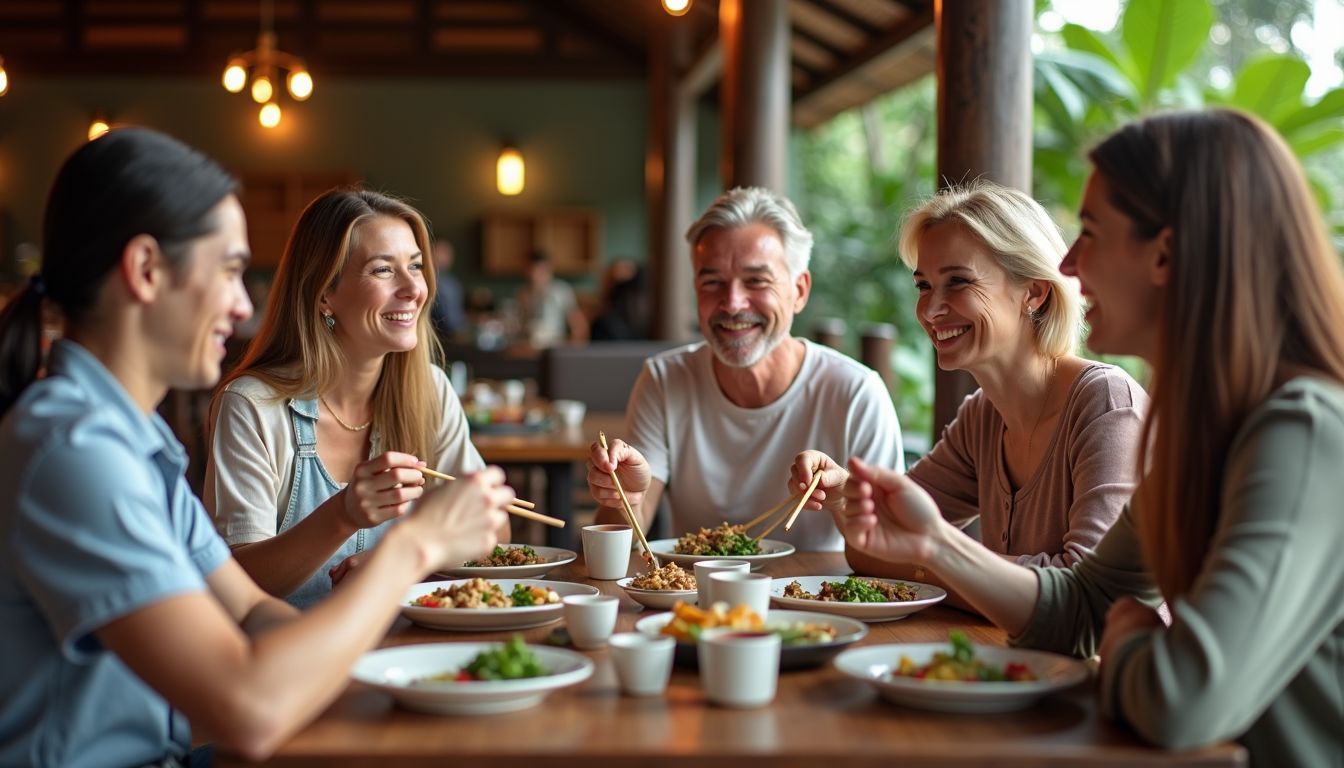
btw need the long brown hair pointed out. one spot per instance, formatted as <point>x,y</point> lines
<point>1255,294</point>
<point>297,356</point>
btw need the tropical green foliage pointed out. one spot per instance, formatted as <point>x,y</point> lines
<point>865,167</point>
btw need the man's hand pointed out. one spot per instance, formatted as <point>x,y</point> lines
<point>630,467</point>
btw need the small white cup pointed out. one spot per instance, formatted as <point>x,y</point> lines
<point>737,588</point>
<point>703,568</point>
<point>513,391</point>
<point>590,619</point>
<point>606,550</point>
<point>569,413</point>
<point>738,668</point>
<point>643,663</point>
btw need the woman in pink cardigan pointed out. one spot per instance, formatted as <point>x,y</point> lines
<point>1043,453</point>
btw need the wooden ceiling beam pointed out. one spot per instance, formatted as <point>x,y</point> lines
<point>892,38</point>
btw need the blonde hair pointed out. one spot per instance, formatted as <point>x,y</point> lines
<point>298,356</point>
<point>1023,239</point>
<point>1255,293</point>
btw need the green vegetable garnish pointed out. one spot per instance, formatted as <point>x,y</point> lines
<point>856,590</point>
<point>522,595</point>
<point>511,661</point>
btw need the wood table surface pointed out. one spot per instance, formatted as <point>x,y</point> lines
<point>818,718</point>
<point>547,446</point>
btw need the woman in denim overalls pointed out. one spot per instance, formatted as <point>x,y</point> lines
<point>320,432</point>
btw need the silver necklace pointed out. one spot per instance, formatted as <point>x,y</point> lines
<point>363,426</point>
<point>1049,385</point>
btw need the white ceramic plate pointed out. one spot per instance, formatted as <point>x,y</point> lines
<point>770,550</point>
<point>872,612</point>
<point>795,656</point>
<point>873,664</point>
<point>480,619</point>
<point>395,671</point>
<point>555,557</point>
<point>656,598</point>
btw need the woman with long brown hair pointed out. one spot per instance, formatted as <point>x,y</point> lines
<point>1203,252</point>
<point>320,431</point>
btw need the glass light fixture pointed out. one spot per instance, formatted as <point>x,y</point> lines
<point>4,77</point>
<point>300,84</point>
<point>262,90</point>
<point>510,172</point>
<point>677,7</point>
<point>98,126</point>
<point>269,116</point>
<point>265,62</point>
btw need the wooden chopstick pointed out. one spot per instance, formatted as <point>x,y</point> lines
<point>629,511</point>
<point>515,508</point>
<point>431,473</point>
<point>767,513</point>
<point>787,520</point>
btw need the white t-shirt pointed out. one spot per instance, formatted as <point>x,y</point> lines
<point>250,473</point>
<point>721,461</point>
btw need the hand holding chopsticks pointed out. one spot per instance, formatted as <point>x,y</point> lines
<point>818,465</point>
<point>519,507</point>
<point>625,507</point>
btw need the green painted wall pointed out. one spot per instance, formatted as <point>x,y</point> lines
<point>434,142</point>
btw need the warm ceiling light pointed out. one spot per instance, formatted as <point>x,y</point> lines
<point>300,84</point>
<point>235,76</point>
<point>4,77</point>
<point>269,116</point>
<point>677,7</point>
<point>266,62</point>
<point>262,90</point>
<point>510,172</point>
<point>98,126</point>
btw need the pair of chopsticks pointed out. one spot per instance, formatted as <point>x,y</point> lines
<point>519,507</point>
<point>627,509</point>
<point>798,500</point>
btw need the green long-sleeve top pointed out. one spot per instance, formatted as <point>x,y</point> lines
<point>1255,650</point>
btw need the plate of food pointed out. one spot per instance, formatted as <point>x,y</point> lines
<point>961,676</point>
<point>806,639</point>
<point>514,561</point>
<point>484,604</point>
<point>471,678</point>
<point>662,587</point>
<point>857,597</point>
<point>724,541</point>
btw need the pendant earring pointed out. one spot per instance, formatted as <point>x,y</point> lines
<point>330,320</point>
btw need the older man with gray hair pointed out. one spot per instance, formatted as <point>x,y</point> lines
<point>717,424</point>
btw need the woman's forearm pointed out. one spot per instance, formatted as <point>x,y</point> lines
<point>282,563</point>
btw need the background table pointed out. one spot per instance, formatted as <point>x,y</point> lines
<point>818,718</point>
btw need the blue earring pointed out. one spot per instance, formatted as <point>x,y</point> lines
<point>330,320</point>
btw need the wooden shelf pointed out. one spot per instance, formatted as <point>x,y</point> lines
<point>569,236</point>
<point>273,201</point>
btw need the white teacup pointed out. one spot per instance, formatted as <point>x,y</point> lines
<point>590,619</point>
<point>514,391</point>
<point>569,413</point>
<point>738,668</point>
<point>643,663</point>
<point>703,568</point>
<point>738,588</point>
<point>606,550</point>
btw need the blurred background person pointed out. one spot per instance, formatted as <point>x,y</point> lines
<point>625,311</point>
<point>447,314</point>
<point>547,309</point>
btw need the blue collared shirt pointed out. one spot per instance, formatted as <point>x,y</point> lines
<point>96,522</point>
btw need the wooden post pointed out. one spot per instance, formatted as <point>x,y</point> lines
<point>669,172</point>
<point>984,119</point>
<point>755,93</point>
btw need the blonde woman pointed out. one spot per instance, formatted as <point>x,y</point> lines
<point>1043,452</point>
<point>320,432</point>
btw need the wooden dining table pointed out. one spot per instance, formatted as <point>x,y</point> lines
<point>556,451</point>
<point>819,717</point>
